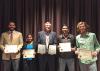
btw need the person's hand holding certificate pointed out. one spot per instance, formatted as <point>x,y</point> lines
<point>41,49</point>
<point>10,49</point>
<point>52,49</point>
<point>29,53</point>
<point>84,54</point>
<point>65,47</point>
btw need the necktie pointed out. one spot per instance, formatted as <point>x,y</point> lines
<point>11,35</point>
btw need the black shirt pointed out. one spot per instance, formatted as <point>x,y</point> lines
<point>70,38</point>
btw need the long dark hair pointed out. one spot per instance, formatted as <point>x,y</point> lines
<point>27,36</point>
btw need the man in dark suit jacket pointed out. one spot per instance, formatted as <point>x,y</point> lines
<point>47,37</point>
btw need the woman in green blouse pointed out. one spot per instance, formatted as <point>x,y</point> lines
<point>87,48</point>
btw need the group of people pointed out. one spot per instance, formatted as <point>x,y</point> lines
<point>85,40</point>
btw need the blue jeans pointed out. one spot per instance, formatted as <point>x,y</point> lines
<point>88,67</point>
<point>69,62</point>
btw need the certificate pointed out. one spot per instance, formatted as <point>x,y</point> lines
<point>29,53</point>
<point>65,47</point>
<point>84,54</point>
<point>52,49</point>
<point>41,49</point>
<point>11,49</point>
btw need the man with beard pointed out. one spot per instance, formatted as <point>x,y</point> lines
<point>11,37</point>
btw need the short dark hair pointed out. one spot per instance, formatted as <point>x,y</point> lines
<point>12,22</point>
<point>65,25</point>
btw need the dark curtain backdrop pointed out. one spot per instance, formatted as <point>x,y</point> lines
<point>30,15</point>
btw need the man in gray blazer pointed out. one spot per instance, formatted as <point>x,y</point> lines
<point>11,37</point>
<point>47,37</point>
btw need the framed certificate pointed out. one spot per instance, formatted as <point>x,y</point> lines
<point>41,49</point>
<point>84,54</point>
<point>29,53</point>
<point>65,47</point>
<point>11,49</point>
<point>52,49</point>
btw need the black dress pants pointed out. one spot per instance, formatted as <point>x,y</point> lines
<point>29,65</point>
<point>47,61</point>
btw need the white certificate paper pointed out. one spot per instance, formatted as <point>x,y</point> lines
<point>11,49</point>
<point>52,49</point>
<point>30,53</point>
<point>65,47</point>
<point>84,54</point>
<point>41,49</point>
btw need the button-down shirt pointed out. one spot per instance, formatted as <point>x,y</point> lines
<point>88,41</point>
<point>70,38</point>
<point>47,41</point>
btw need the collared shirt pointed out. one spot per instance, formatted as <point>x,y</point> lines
<point>47,41</point>
<point>88,41</point>
<point>70,38</point>
<point>11,34</point>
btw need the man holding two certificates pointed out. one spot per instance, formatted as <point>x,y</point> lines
<point>87,48</point>
<point>10,44</point>
<point>47,48</point>
<point>66,50</point>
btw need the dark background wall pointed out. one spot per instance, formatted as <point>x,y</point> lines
<point>31,14</point>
